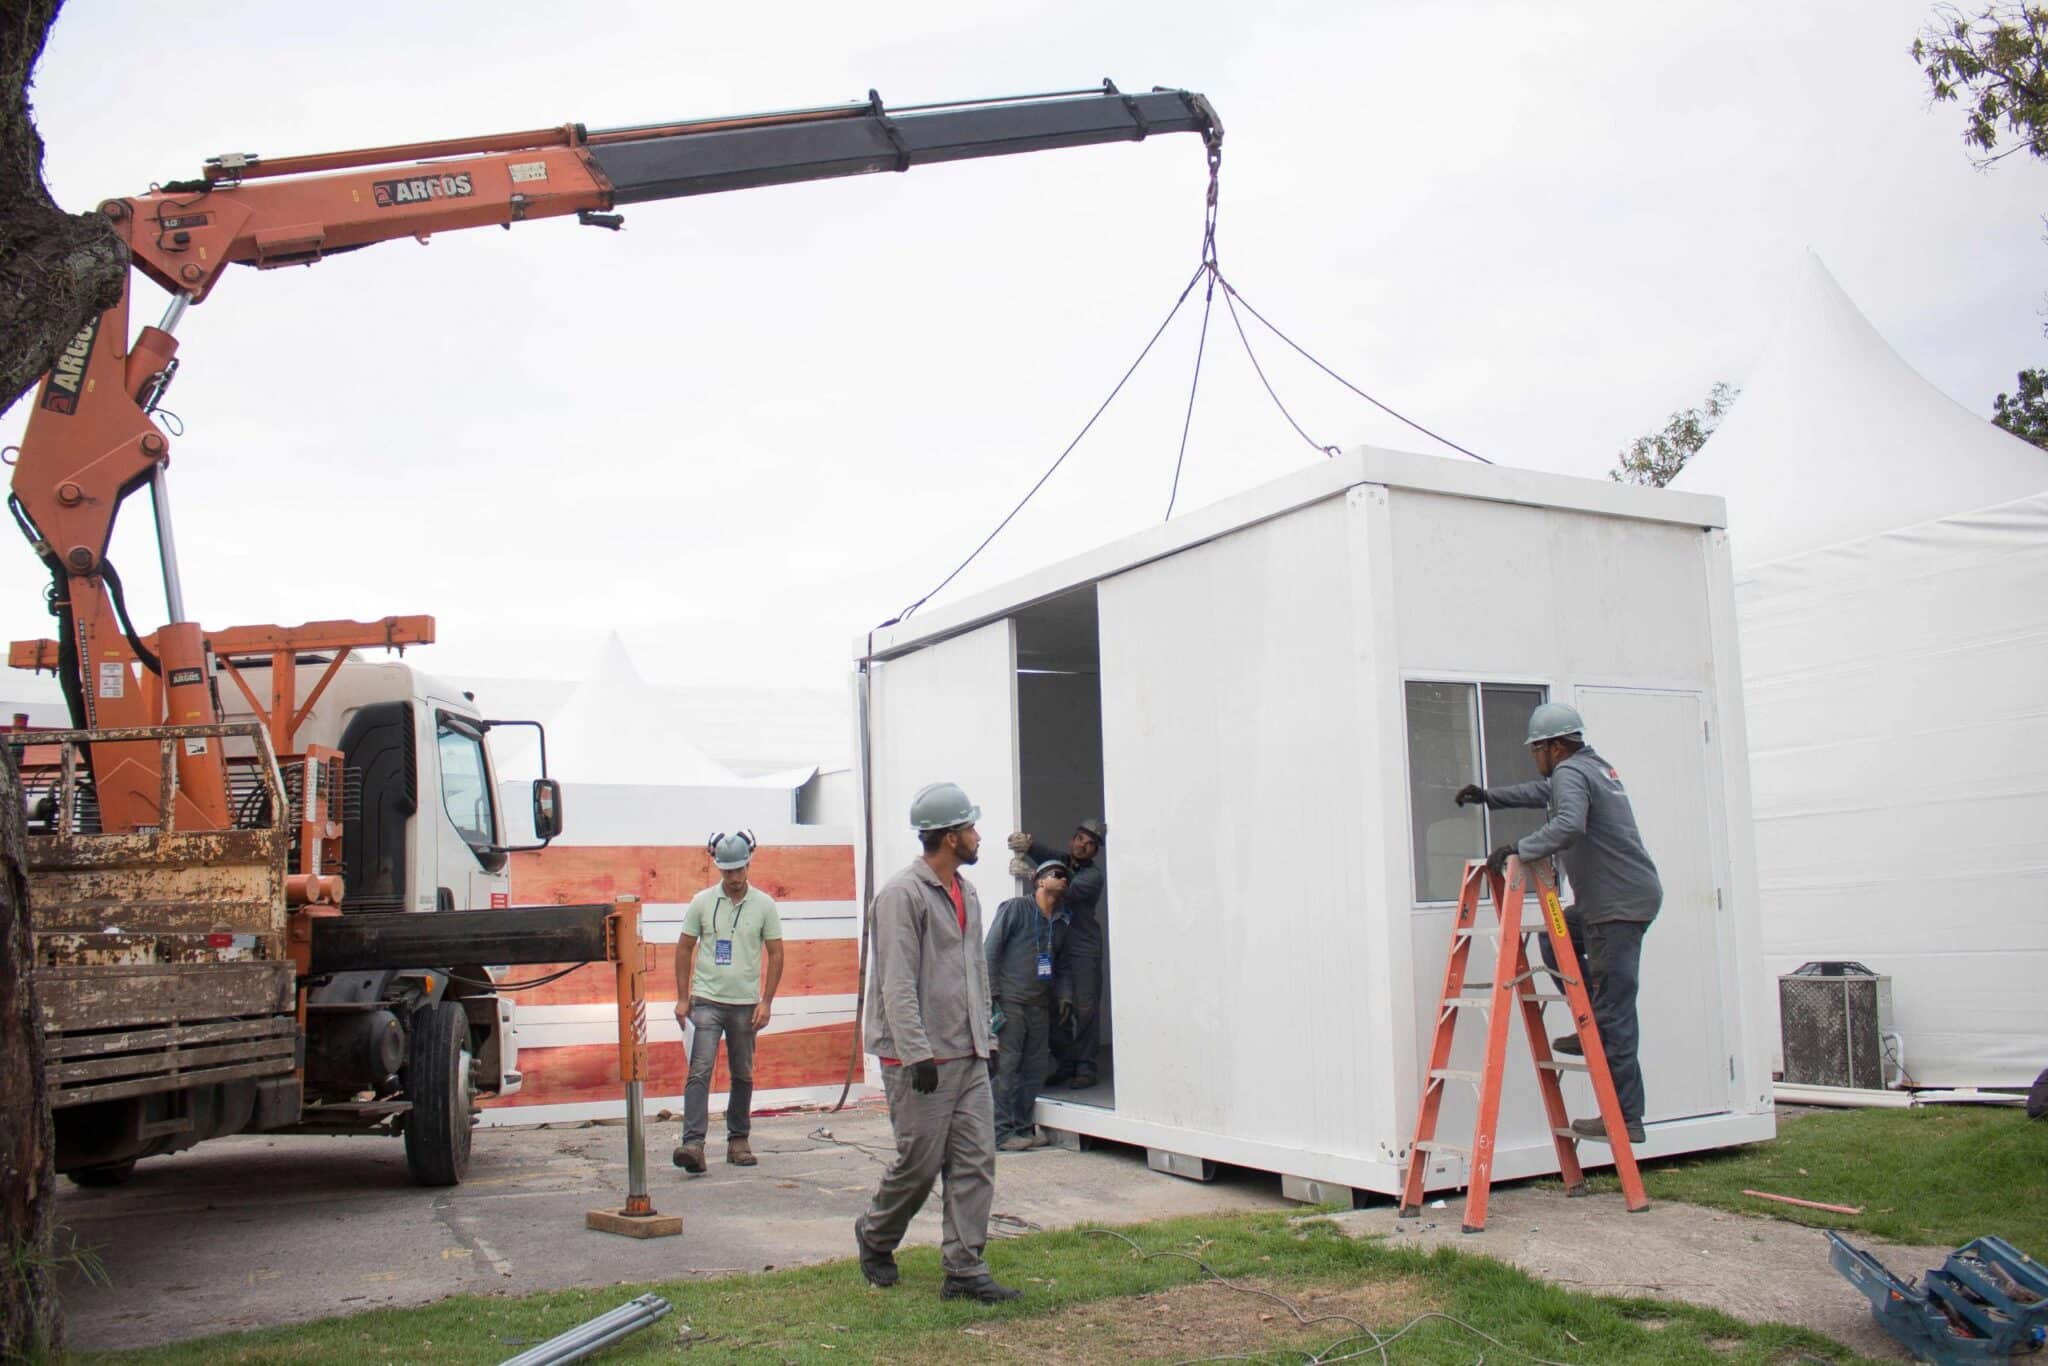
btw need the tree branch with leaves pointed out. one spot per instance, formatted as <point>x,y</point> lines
<point>1656,459</point>
<point>1994,64</point>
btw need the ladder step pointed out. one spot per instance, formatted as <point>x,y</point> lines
<point>1560,1065</point>
<point>1433,1146</point>
<point>1468,1001</point>
<point>1454,1074</point>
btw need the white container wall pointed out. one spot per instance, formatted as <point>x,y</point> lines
<point>1292,686</point>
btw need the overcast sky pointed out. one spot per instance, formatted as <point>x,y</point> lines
<point>752,425</point>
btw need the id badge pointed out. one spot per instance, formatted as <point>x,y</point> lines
<point>1044,966</point>
<point>721,952</point>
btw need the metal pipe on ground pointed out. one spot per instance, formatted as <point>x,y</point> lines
<point>596,1334</point>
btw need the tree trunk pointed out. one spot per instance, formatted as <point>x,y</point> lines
<point>57,270</point>
<point>31,1320</point>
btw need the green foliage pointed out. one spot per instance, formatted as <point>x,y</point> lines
<point>2024,412</point>
<point>1992,63</point>
<point>1939,1176</point>
<point>827,1314</point>
<point>1656,459</point>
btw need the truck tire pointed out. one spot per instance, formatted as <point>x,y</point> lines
<point>111,1174</point>
<point>437,1081</point>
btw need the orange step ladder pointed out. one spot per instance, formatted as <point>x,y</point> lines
<point>1514,982</point>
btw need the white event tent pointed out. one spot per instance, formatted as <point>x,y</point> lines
<point>1891,578</point>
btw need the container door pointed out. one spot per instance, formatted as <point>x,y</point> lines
<point>1657,742</point>
<point>948,712</point>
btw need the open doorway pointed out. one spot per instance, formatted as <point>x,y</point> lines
<point>1059,753</point>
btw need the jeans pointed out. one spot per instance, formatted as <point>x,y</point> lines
<point>1610,955</point>
<point>1021,1063</point>
<point>736,1023</point>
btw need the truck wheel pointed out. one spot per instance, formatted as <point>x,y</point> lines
<point>112,1174</point>
<point>437,1081</point>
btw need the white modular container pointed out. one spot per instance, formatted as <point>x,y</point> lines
<point>1273,701</point>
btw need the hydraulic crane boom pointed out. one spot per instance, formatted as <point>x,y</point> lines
<point>91,441</point>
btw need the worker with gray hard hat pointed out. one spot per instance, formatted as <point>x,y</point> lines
<point>1615,889</point>
<point>725,993</point>
<point>1028,935</point>
<point>1078,988</point>
<point>928,1023</point>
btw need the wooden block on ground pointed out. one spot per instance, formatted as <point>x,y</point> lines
<point>634,1225</point>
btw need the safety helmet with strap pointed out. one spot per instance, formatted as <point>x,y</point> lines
<point>731,851</point>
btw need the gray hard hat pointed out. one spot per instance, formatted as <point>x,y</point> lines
<point>1042,869</point>
<point>1554,721</point>
<point>941,806</point>
<point>731,851</point>
<point>1094,829</point>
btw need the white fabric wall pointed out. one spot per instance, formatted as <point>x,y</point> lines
<point>1897,693</point>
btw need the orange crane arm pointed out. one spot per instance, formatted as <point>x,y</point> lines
<point>91,441</point>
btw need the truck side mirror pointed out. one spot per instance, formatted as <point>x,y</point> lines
<point>547,809</point>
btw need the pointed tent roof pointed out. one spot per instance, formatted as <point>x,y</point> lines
<point>615,729</point>
<point>1835,437</point>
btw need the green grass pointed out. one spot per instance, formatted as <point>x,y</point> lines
<point>1941,1175</point>
<point>827,1314</point>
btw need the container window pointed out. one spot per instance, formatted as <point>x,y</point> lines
<point>1443,756</point>
<point>1461,733</point>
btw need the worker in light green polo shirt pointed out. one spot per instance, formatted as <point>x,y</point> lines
<point>721,989</point>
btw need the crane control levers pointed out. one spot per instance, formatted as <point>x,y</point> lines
<point>91,440</point>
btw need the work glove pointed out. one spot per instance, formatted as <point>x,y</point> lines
<point>1471,794</point>
<point>1020,843</point>
<point>924,1077</point>
<point>1021,866</point>
<point>1497,861</point>
<point>1066,1012</point>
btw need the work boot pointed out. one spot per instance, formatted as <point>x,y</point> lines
<point>690,1156</point>
<point>878,1267</point>
<point>740,1153</point>
<point>1043,1139</point>
<point>984,1289</point>
<point>1568,1044</point>
<point>1017,1143</point>
<point>1081,1081</point>
<point>1596,1130</point>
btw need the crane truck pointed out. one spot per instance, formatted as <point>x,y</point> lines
<point>268,876</point>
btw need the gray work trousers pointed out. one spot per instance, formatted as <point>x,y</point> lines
<point>736,1023</point>
<point>1610,955</point>
<point>1021,1063</point>
<point>1076,1048</point>
<point>949,1133</point>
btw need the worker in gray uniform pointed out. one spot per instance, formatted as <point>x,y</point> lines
<point>1615,889</point>
<point>1027,937</point>
<point>928,1023</point>
<point>1078,984</point>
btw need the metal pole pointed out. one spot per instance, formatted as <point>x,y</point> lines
<point>160,494</point>
<point>632,989</point>
<point>636,1147</point>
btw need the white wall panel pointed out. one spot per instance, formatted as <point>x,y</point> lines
<point>949,713</point>
<point>1231,718</point>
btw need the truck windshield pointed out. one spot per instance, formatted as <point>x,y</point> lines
<point>466,787</point>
